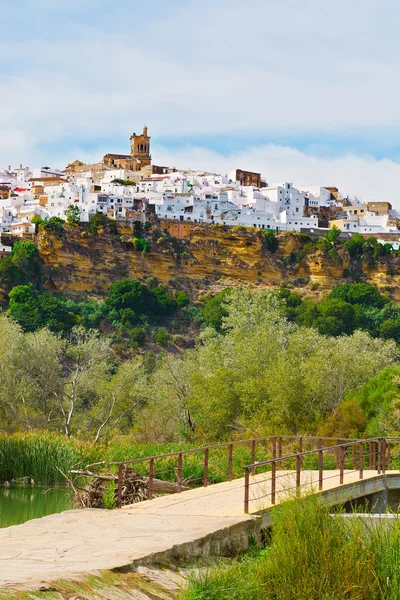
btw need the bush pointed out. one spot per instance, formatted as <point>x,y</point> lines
<point>269,240</point>
<point>161,336</point>
<point>55,225</point>
<point>141,245</point>
<point>137,336</point>
<point>214,310</point>
<point>181,298</point>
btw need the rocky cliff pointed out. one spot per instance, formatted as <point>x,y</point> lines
<point>194,256</point>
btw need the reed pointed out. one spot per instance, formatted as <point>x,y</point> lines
<point>37,456</point>
<point>311,556</point>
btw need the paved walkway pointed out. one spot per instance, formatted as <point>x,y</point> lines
<point>81,541</point>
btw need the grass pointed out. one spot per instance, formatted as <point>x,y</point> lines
<point>37,455</point>
<point>311,556</point>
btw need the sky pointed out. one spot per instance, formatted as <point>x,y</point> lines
<point>305,92</point>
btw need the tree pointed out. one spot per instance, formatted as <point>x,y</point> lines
<point>85,363</point>
<point>333,234</point>
<point>55,225</point>
<point>355,246</point>
<point>25,257</point>
<point>73,214</point>
<point>359,293</point>
<point>214,310</point>
<point>269,240</point>
<point>118,399</point>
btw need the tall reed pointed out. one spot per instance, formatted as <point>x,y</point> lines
<point>312,556</point>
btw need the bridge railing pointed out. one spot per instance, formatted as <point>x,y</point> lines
<point>277,478</point>
<point>206,465</point>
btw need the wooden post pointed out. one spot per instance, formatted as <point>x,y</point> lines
<point>388,456</point>
<point>298,471</point>
<point>361,459</point>
<point>179,472</point>
<point>274,447</point>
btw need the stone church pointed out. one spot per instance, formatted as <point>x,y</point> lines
<point>138,158</point>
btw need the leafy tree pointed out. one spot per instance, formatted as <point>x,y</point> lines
<point>141,245</point>
<point>269,240</point>
<point>73,214</point>
<point>214,310</point>
<point>343,313</point>
<point>355,246</point>
<point>390,329</point>
<point>333,234</point>
<point>359,293</point>
<point>161,336</point>
<point>86,356</point>
<point>137,335</point>
<point>33,311</point>
<point>55,225</point>
<point>25,257</point>
<point>348,420</point>
<point>181,298</point>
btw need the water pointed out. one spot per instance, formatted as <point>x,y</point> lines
<point>19,504</point>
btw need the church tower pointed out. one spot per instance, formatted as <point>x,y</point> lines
<point>140,148</point>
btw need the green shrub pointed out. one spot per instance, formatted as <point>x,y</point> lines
<point>269,240</point>
<point>137,335</point>
<point>55,225</point>
<point>161,336</point>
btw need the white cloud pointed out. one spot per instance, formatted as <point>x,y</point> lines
<point>81,73</point>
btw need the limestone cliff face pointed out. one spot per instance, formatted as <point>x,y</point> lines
<point>81,262</point>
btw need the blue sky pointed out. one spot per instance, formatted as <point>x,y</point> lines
<point>303,91</point>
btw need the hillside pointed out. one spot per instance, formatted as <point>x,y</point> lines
<point>194,256</point>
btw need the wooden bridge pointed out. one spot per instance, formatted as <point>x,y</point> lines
<point>211,518</point>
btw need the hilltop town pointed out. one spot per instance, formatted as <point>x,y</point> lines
<point>129,187</point>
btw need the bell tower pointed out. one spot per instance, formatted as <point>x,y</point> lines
<point>140,148</point>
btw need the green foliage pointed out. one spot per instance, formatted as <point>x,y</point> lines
<point>348,307</point>
<point>214,310</point>
<point>181,298</point>
<point>100,221</point>
<point>37,221</point>
<point>33,311</point>
<point>359,293</point>
<point>73,214</point>
<point>55,225</point>
<point>161,336</point>
<point>333,234</point>
<point>141,245</point>
<point>137,335</point>
<point>37,455</point>
<point>128,300</point>
<point>269,240</point>
<point>123,181</point>
<point>356,561</point>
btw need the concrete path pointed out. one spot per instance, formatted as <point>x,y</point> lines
<point>82,541</point>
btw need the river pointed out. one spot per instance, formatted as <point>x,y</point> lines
<point>19,504</point>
